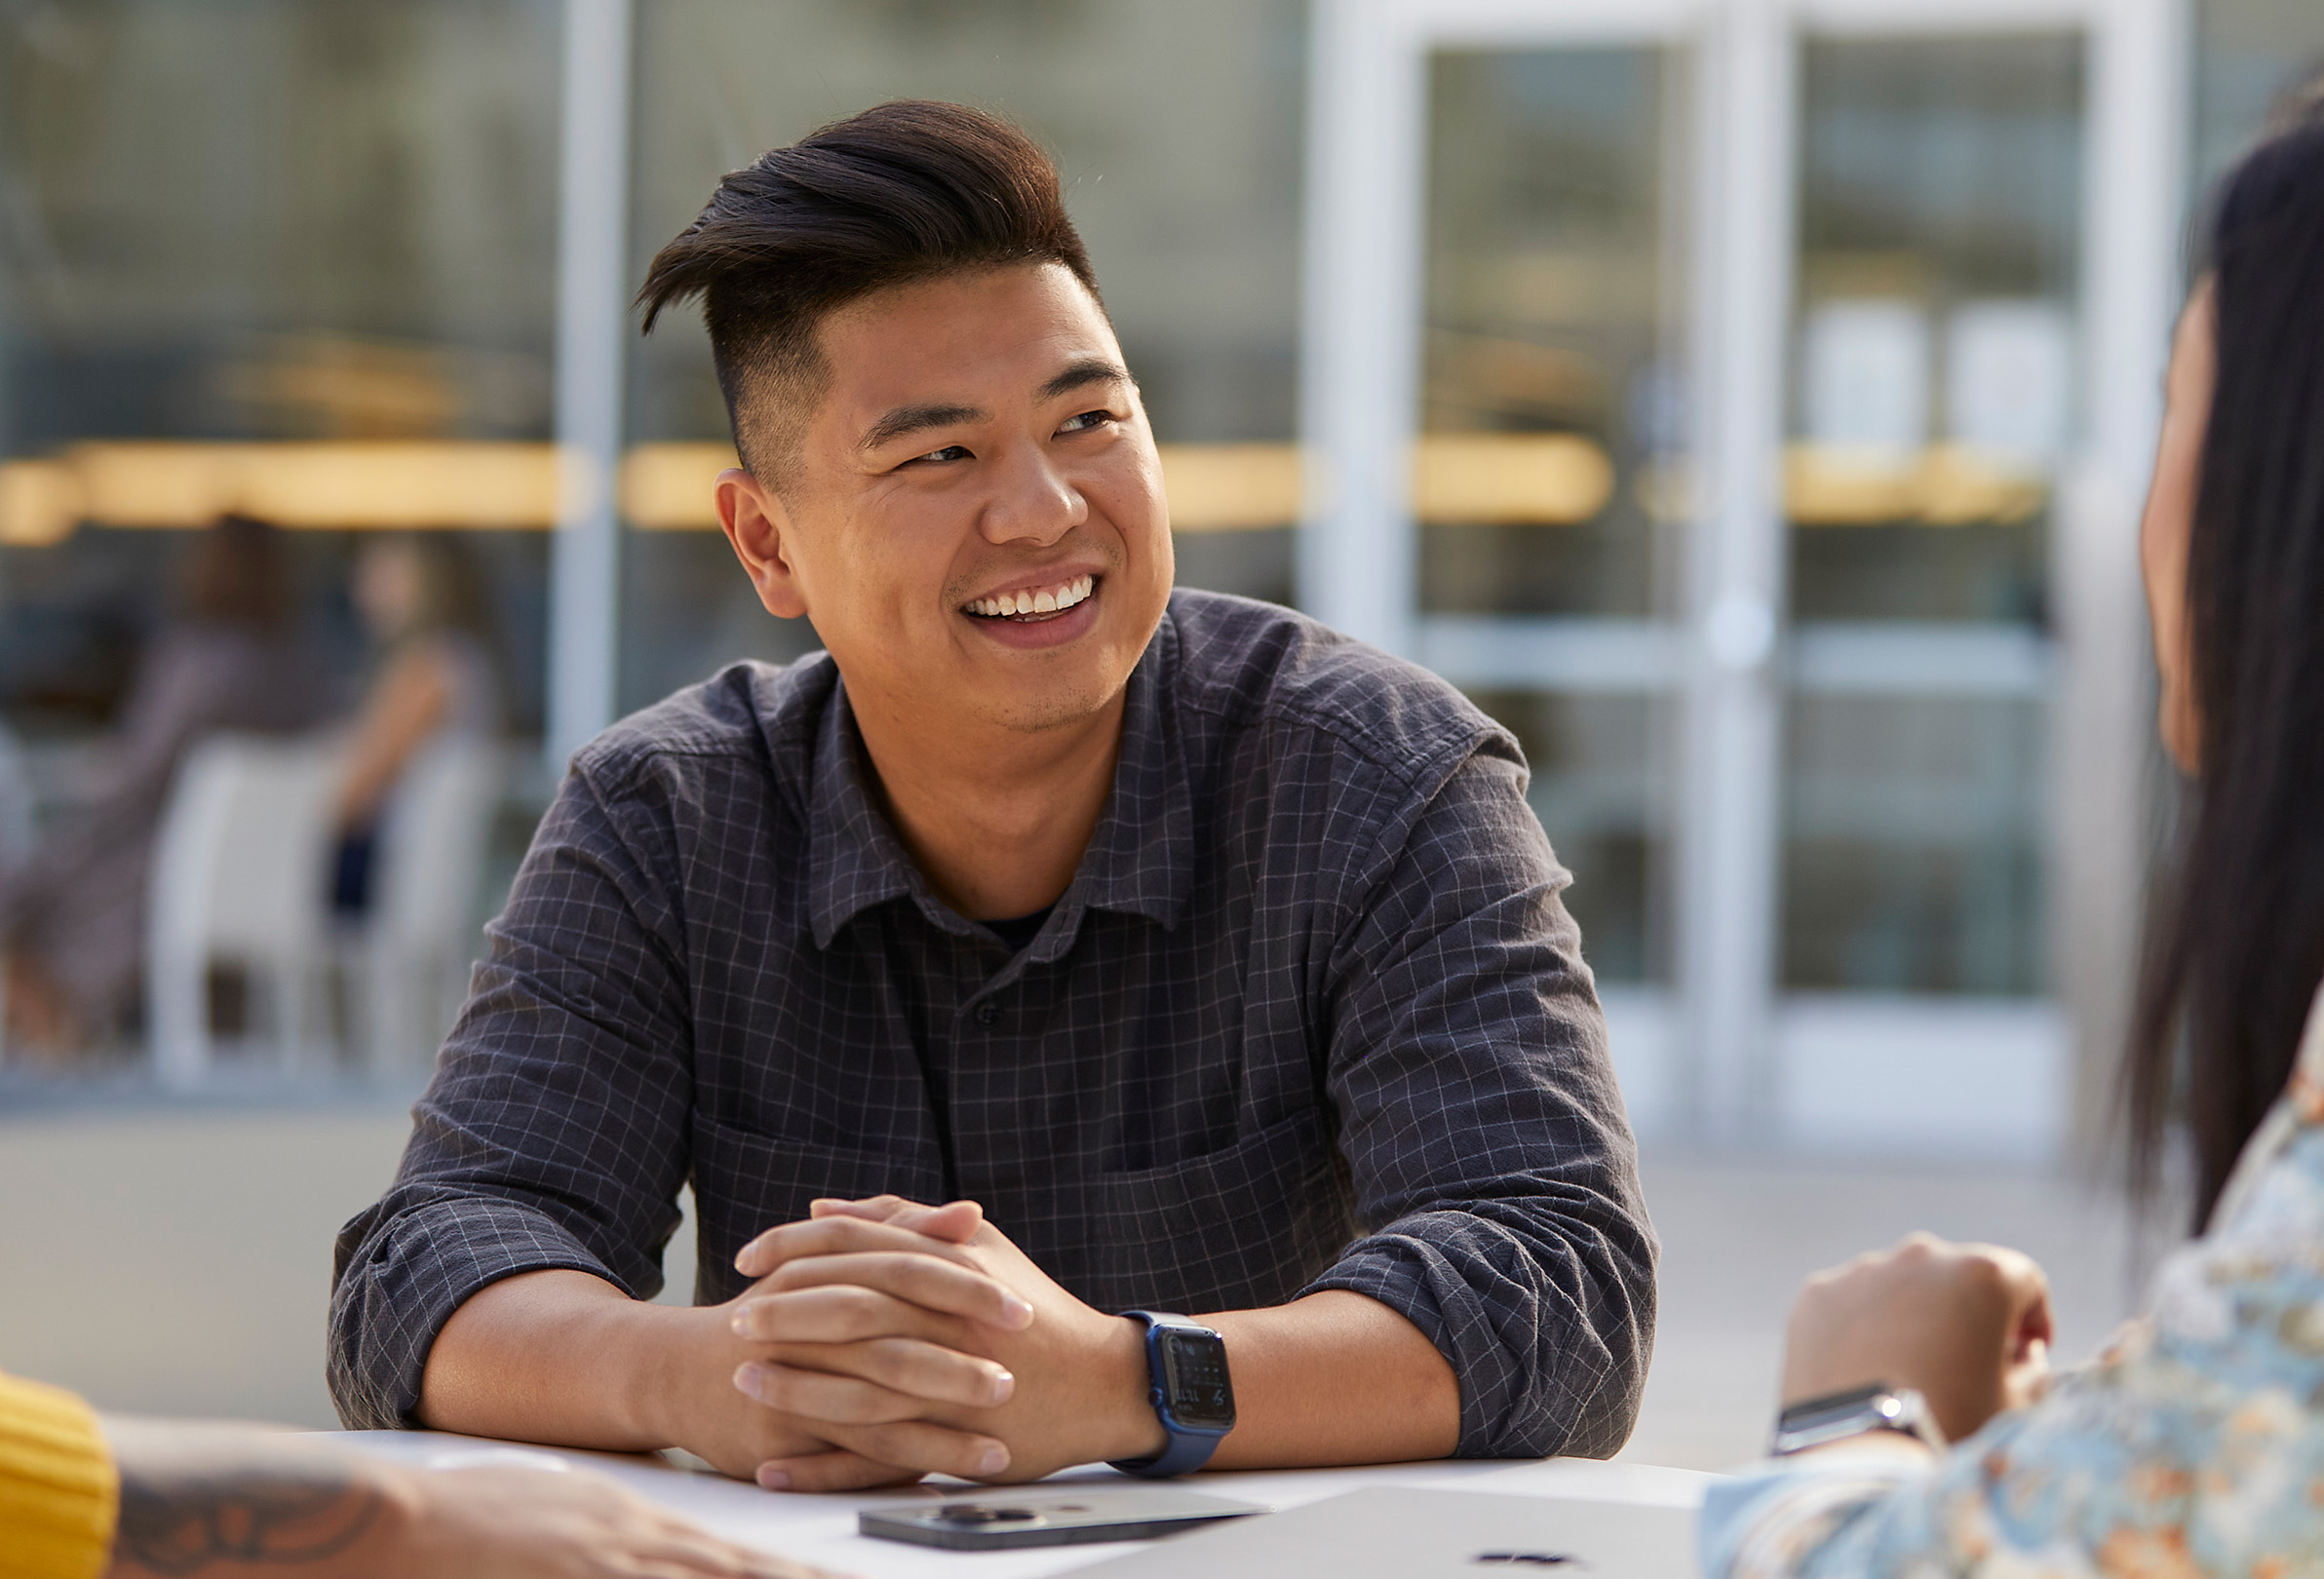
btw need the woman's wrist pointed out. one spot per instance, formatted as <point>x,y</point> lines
<point>1874,1443</point>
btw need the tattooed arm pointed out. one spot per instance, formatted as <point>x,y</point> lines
<point>229,1502</point>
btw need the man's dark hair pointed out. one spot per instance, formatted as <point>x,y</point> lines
<point>907,191</point>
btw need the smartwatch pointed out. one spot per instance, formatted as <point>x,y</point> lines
<point>1191,1393</point>
<point>1878,1406</point>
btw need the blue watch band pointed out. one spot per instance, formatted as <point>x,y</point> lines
<point>1189,1446</point>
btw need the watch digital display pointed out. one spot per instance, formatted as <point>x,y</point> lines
<point>1195,1384</point>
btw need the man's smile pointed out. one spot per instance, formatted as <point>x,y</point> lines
<point>1028,604</point>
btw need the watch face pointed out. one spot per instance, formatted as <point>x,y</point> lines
<point>1194,1380</point>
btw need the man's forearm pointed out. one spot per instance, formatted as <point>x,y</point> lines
<point>1335,1378</point>
<point>558,1356</point>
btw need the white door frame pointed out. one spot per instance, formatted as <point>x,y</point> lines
<point>1715,1062</point>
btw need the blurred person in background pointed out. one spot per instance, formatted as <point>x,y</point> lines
<point>128,1499</point>
<point>73,915</point>
<point>420,601</point>
<point>2196,1443</point>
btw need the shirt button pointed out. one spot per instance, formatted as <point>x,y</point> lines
<point>988,1012</point>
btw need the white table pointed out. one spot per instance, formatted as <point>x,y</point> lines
<point>822,1529</point>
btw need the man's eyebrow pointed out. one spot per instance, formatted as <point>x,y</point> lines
<point>1080,373</point>
<point>910,419</point>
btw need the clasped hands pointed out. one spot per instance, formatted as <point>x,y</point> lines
<point>884,1339</point>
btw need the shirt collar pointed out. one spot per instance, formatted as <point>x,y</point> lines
<point>1139,859</point>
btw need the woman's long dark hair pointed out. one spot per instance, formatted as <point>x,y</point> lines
<point>2238,945</point>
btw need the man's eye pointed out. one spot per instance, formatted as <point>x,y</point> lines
<point>1085,421</point>
<point>948,453</point>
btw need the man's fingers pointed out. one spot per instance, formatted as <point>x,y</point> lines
<point>841,1313</point>
<point>919,1444</point>
<point>914,1375</point>
<point>835,1471</point>
<point>822,1397</point>
<point>955,1221</point>
<point>918,1279</point>
<point>927,1371</point>
<point>870,1207</point>
<point>835,1235</point>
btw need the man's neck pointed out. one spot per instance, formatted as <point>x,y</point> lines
<point>996,819</point>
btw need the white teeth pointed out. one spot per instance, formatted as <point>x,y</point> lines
<point>1045,601</point>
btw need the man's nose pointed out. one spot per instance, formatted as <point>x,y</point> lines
<point>1033,502</point>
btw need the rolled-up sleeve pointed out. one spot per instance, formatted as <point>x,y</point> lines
<point>1494,1170</point>
<point>554,1133</point>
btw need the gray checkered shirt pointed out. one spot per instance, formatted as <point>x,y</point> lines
<point>1310,1016</point>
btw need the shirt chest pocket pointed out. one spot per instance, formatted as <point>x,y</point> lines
<point>1240,1227</point>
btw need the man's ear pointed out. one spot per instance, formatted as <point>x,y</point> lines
<point>758,527</point>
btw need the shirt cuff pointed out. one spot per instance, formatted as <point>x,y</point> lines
<point>1528,1385</point>
<point>1778,1518</point>
<point>59,1493</point>
<point>411,1274</point>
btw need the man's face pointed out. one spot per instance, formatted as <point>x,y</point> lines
<point>974,519</point>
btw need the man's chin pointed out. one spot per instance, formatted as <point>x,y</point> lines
<point>1041,715</point>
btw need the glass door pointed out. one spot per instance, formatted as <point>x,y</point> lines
<point>1528,538</point>
<point>1550,445</point>
<point>1935,368</point>
<point>1736,400</point>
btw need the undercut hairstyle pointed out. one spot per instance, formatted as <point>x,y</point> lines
<point>905,192</point>
<point>2236,946</point>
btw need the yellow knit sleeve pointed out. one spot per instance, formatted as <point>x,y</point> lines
<point>59,1491</point>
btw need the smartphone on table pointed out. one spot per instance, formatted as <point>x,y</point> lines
<point>1052,1515</point>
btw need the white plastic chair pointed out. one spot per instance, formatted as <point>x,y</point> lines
<point>414,952</point>
<point>238,879</point>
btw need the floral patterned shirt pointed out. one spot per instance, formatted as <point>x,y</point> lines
<point>2194,1445</point>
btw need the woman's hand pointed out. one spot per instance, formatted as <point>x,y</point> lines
<point>1967,1325</point>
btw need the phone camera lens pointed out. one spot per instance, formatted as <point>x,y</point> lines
<point>978,1512</point>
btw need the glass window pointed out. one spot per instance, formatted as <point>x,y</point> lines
<point>1550,383</point>
<point>281,221</point>
<point>1550,430</point>
<point>1933,399</point>
<point>1913,857</point>
<point>1940,207</point>
<point>2250,56</point>
<point>1177,130</point>
<point>292,259</point>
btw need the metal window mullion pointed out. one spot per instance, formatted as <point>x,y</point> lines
<point>1727,833</point>
<point>591,327</point>
<point>1358,566</point>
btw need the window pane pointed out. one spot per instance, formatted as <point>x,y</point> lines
<point>1177,130</point>
<point>274,220</point>
<point>1551,393</point>
<point>1601,787</point>
<point>2251,57</point>
<point>1914,840</point>
<point>1940,207</point>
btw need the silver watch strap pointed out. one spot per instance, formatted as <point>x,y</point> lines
<point>1818,1421</point>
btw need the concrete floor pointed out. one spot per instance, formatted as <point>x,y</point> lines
<point>177,1261</point>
